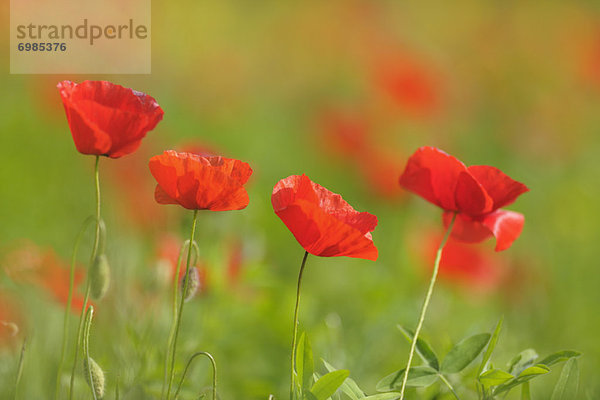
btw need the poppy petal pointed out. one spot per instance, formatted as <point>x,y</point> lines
<point>200,183</point>
<point>322,222</point>
<point>506,227</point>
<point>324,235</point>
<point>162,197</point>
<point>466,228</point>
<point>433,175</point>
<point>471,197</point>
<point>108,119</point>
<point>501,188</point>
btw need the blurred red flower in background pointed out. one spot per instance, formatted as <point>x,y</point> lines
<point>412,85</point>
<point>347,135</point>
<point>322,222</point>
<point>108,119</point>
<point>10,321</point>
<point>131,182</point>
<point>235,257</point>
<point>42,267</point>
<point>343,133</point>
<point>474,267</point>
<point>200,183</point>
<point>476,193</point>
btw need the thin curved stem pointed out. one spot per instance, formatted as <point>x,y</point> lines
<point>214,367</point>
<point>87,289</point>
<point>78,238</point>
<point>295,330</point>
<point>86,347</point>
<point>449,385</point>
<point>20,367</point>
<point>182,302</point>
<point>436,266</point>
<point>185,245</point>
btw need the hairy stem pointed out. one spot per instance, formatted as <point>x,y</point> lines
<point>87,289</point>
<point>436,266</point>
<point>214,367</point>
<point>86,347</point>
<point>182,302</point>
<point>84,227</point>
<point>186,244</point>
<point>20,367</point>
<point>295,329</point>
<point>449,385</point>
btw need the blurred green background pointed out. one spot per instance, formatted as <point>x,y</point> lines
<point>343,91</point>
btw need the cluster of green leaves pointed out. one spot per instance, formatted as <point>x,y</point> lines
<point>490,383</point>
<point>313,386</point>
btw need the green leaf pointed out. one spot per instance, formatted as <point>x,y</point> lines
<point>522,361</point>
<point>309,396</point>
<point>526,375</point>
<point>568,383</point>
<point>384,396</point>
<point>559,357</point>
<point>494,377</point>
<point>424,350</point>
<point>327,385</point>
<point>350,387</point>
<point>491,345</point>
<point>464,353</point>
<point>417,377</point>
<point>304,363</point>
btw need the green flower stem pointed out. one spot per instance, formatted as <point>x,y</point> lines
<point>182,302</point>
<point>436,266</point>
<point>84,227</point>
<point>86,347</point>
<point>174,322</point>
<point>214,367</point>
<point>295,330</point>
<point>87,289</point>
<point>20,367</point>
<point>449,385</point>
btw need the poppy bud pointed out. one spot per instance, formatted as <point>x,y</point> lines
<point>97,375</point>
<point>192,286</point>
<point>99,277</point>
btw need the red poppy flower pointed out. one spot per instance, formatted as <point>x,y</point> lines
<point>322,222</point>
<point>200,183</point>
<point>409,83</point>
<point>235,258</point>
<point>108,119</point>
<point>343,133</point>
<point>44,268</point>
<point>476,193</point>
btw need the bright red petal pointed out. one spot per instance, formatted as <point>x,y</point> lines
<point>433,175</point>
<point>162,197</point>
<point>199,183</point>
<point>108,119</point>
<point>322,222</point>
<point>506,227</point>
<point>471,197</point>
<point>467,229</point>
<point>333,204</point>
<point>236,169</point>
<point>501,188</point>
